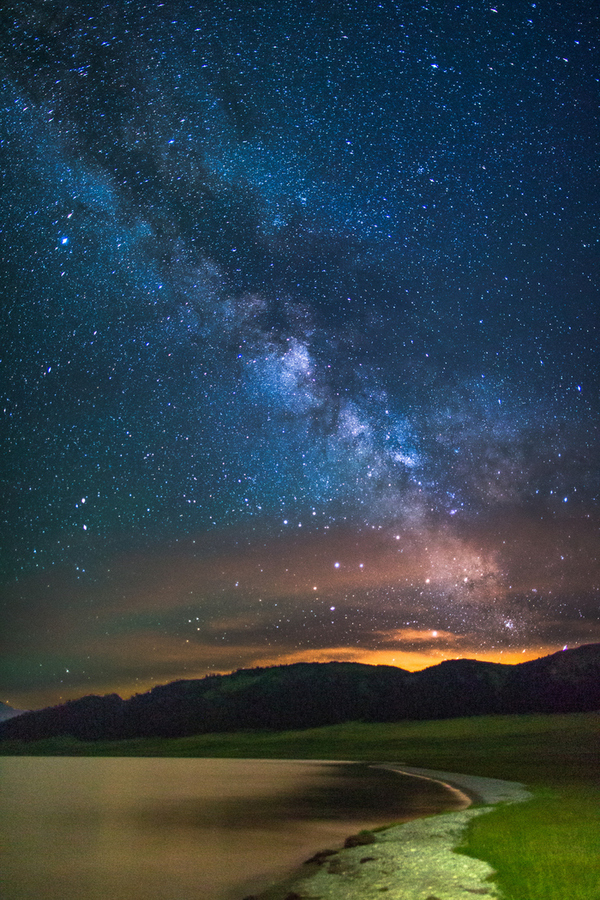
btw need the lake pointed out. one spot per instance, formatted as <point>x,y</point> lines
<point>183,829</point>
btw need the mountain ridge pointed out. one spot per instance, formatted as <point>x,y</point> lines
<point>7,712</point>
<point>305,695</point>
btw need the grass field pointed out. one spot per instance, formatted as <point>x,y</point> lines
<point>545,849</point>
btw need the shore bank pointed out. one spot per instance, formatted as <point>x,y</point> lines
<point>411,861</point>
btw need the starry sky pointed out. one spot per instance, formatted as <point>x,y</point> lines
<point>299,336</point>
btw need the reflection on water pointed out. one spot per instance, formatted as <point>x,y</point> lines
<point>182,829</point>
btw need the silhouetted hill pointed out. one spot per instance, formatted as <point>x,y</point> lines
<point>7,712</point>
<point>457,687</point>
<point>307,695</point>
<point>89,718</point>
<point>567,681</point>
<point>302,695</point>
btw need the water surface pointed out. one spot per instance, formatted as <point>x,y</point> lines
<point>182,829</point>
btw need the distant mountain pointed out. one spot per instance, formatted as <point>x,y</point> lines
<point>567,681</point>
<point>306,695</point>
<point>7,712</point>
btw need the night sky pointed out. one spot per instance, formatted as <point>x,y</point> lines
<point>300,321</point>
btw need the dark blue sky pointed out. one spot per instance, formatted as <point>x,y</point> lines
<point>285,286</point>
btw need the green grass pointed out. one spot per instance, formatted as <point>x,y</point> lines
<point>545,849</point>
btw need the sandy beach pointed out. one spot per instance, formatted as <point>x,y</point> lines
<point>411,861</point>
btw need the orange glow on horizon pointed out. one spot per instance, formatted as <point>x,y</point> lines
<point>412,661</point>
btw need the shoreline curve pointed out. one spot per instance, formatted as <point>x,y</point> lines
<point>415,860</point>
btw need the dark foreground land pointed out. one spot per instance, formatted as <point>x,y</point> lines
<point>535,723</point>
<point>545,849</point>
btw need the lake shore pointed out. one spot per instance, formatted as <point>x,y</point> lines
<point>167,828</point>
<point>415,860</point>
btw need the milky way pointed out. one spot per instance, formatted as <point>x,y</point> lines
<point>299,336</point>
